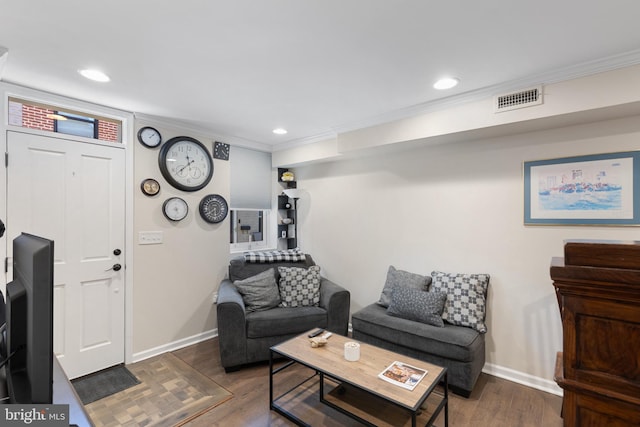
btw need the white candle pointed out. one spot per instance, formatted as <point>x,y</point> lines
<point>351,351</point>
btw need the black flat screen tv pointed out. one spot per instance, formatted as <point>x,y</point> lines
<point>29,321</point>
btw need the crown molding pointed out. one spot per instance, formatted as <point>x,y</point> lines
<point>305,141</point>
<point>571,72</point>
<point>187,126</point>
<point>4,53</point>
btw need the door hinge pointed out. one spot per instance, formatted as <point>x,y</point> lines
<point>6,159</point>
<point>6,264</point>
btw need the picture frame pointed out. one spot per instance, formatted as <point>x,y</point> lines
<point>598,189</point>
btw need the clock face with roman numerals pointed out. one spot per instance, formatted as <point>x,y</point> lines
<point>213,208</point>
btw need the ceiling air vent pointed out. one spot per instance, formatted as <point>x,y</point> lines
<point>520,99</point>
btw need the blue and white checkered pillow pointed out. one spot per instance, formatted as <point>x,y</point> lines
<point>466,298</point>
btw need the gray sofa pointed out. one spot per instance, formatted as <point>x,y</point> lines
<point>245,337</point>
<point>460,349</point>
<point>438,318</point>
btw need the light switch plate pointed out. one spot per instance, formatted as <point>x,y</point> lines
<point>150,237</point>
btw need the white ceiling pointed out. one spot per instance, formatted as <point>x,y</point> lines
<point>240,68</point>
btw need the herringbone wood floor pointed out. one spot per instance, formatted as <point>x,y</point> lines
<point>494,402</point>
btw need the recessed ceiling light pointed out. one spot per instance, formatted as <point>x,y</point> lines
<point>280,131</point>
<point>446,83</point>
<point>95,75</point>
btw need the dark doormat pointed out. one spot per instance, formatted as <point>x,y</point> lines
<point>104,383</point>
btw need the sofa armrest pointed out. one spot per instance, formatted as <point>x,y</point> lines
<point>336,300</point>
<point>228,293</point>
<point>232,335</point>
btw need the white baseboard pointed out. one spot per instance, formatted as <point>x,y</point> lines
<point>175,345</point>
<point>522,378</point>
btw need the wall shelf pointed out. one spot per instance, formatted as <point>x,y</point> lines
<point>285,184</point>
<point>287,209</point>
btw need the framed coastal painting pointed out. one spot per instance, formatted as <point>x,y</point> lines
<point>600,189</point>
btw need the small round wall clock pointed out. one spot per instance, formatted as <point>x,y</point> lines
<point>213,208</point>
<point>150,187</point>
<point>175,209</point>
<point>149,137</point>
<point>185,163</point>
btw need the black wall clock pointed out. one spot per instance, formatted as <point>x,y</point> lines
<point>175,209</point>
<point>149,137</point>
<point>213,208</point>
<point>185,163</point>
<point>221,151</point>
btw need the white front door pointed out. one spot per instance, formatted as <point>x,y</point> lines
<point>73,193</point>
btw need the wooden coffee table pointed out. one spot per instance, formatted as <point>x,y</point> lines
<point>328,361</point>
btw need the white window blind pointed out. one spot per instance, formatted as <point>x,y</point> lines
<point>250,178</point>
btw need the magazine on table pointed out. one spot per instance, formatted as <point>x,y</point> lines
<point>404,375</point>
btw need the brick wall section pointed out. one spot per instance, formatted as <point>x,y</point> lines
<point>36,118</point>
<point>108,131</point>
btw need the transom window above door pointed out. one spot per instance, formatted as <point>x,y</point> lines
<point>49,118</point>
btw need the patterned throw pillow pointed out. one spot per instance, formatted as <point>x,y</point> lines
<point>259,292</point>
<point>414,304</point>
<point>299,287</point>
<point>466,298</point>
<point>403,278</point>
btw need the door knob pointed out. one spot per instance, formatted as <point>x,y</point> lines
<point>116,267</point>
<point>117,252</point>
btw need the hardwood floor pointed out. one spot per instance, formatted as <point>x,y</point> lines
<point>494,402</point>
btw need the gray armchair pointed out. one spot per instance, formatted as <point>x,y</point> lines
<point>245,337</point>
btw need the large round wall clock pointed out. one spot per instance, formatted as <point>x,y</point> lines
<point>213,208</point>
<point>185,163</point>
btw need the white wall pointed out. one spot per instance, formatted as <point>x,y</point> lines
<point>457,207</point>
<point>174,282</point>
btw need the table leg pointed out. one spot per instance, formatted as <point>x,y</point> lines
<point>270,379</point>
<point>272,401</point>
<point>446,398</point>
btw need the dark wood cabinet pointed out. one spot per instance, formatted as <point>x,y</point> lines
<point>598,288</point>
